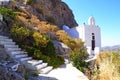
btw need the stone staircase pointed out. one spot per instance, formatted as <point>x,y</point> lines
<point>14,51</point>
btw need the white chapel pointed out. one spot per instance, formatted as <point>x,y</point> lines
<point>89,33</point>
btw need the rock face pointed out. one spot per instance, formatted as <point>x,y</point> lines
<point>54,11</point>
<point>61,48</point>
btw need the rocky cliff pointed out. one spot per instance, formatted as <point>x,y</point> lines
<point>54,11</point>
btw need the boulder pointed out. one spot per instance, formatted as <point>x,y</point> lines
<point>61,48</point>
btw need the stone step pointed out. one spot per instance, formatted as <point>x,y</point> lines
<point>3,37</point>
<point>10,46</point>
<point>17,52</point>
<point>46,70</point>
<point>3,43</point>
<point>21,55</point>
<point>13,49</point>
<point>34,62</point>
<point>25,59</point>
<point>8,40</point>
<point>41,66</point>
<point>30,64</point>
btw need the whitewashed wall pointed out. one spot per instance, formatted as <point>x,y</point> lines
<point>3,2</point>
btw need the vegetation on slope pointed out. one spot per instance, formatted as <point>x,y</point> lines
<point>41,46</point>
<point>35,37</point>
<point>7,13</point>
<point>78,59</point>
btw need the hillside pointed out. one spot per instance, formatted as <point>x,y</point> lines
<point>54,11</point>
<point>115,48</point>
<point>35,28</point>
<point>38,13</point>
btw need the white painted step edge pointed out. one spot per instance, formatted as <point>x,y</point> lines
<point>21,55</point>
<point>10,46</point>
<point>34,62</point>
<point>3,43</point>
<point>13,49</point>
<point>38,67</point>
<point>46,70</point>
<point>8,40</point>
<point>3,37</point>
<point>17,52</point>
<point>25,59</point>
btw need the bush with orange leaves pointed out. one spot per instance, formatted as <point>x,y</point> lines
<point>62,36</point>
<point>45,27</point>
<point>74,44</point>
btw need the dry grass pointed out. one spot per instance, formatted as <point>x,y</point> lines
<point>62,36</point>
<point>45,27</point>
<point>109,64</point>
<point>33,22</point>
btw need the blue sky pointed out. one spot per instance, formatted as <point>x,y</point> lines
<point>106,14</point>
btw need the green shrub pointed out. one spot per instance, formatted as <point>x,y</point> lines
<point>40,40</point>
<point>37,54</point>
<point>44,43</point>
<point>19,34</point>
<point>56,61</point>
<point>36,73</point>
<point>7,12</point>
<point>49,50</point>
<point>52,61</point>
<point>78,59</point>
<point>30,50</point>
<point>78,53</point>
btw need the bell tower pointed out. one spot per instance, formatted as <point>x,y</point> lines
<point>91,21</point>
<point>92,36</point>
